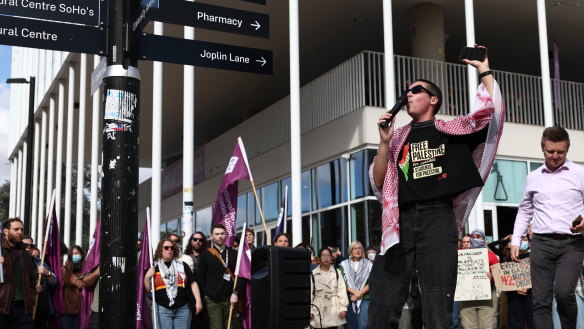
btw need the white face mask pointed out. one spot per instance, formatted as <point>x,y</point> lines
<point>371,255</point>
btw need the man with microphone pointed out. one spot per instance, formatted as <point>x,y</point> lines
<point>427,175</point>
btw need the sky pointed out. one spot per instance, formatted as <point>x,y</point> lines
<point>5,61</point>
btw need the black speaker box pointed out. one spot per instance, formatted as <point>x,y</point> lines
<point>280,285</point>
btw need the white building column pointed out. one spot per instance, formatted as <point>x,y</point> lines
<point>35,181</point>
<point>546,83</point>
<point>388,57</point>
<point>59,161</point>
<point>43,148</point>
<point>81,148</point>
<point>69,155</point>
<point>95,135</point>
<point>157,75</point>
<point>12,203</point>
<point>470,41</point>
<point>476,217</point>
<point>295,132</point>
<point>23,182</point>
<point>19,185</point>
<point>50,155</point>
<point>188,144</point>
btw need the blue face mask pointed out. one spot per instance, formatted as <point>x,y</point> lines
<point>477,243</point>
<point>76,258</point>
<point>524,245</point>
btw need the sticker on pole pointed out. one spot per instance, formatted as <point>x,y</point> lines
<point>120,105</point>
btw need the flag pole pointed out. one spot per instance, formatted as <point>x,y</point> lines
<point>151,264</point>
<point>285,215</point>
<point>47,230</point>
<point>268,235</point>
<point>255,193</point>
<point>237,264</point>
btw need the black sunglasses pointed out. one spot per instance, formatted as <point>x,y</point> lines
<point>197,239</point>
<point>167,247</point>
<point>418,89</point>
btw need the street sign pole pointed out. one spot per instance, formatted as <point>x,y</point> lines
<point>119,213</point>
<point>29,149</point>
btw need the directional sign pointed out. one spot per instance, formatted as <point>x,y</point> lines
<point>142,17</point>
<point>34,33</point>
<point>211,17</point>
<point>72,11</point>
<point>207,54</point>
<point>98,74</point>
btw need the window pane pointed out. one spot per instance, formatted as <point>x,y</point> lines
<point>333,228</point>
<point>241,210</point>
<point>370,156</point>
<point>358,222</point>
<point>305,191</point>
<point>328,184</point>
<point>506,182</point>
<point>343,179</point>
<point>287,182</point>
<point>258,217</point>
<point>374,220</point>
<point>251,206</point>
<point>356,167</point>
<point>271,202</point>
<point>203,219</point>
<point>162,231</point>
<point>172,227</point>
<point>534,165</point>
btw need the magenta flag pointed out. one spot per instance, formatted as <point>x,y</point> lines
<point>53,259</point>
<point>245,272</point>
<point>225,209</point>
<point>144,263</point>
<point>91,262</point>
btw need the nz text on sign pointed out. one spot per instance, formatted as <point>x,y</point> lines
<point>210,17</point>
<point>33,33</point>
<point>206,54</point>
<point>70,11</point>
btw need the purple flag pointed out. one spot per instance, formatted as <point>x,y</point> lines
<point>91,262</point>
<point>557,85</point>
<point>144,263</point>
<point>281,226</point>
<point>243,270</point>
<point>225,208</point>
<point>53,259</point>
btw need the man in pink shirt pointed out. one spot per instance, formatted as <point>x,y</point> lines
<point>553,200</point>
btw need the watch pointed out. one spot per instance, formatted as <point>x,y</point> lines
<point>484,74</point>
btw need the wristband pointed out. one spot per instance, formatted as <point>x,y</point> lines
<point>484,74</point>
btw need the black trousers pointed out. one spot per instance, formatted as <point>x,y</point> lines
<point>17,319</point>
<point>428,243</point>
<point>555,267</point>
<point>520,310</point>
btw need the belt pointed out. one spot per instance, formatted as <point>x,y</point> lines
<point>559,236</point>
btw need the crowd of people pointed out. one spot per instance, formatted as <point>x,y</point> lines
<point>426,175</point>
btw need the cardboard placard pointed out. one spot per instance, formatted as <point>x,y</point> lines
<point>512,276</point>
<point>472,282</point>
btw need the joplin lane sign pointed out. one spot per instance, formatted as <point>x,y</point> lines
<point>22,32</point>
<point>71,11</point>
<point>206,54</point>
<point>206,16</point>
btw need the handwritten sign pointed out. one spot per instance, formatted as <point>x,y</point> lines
<point>472,282</point>
<point>511,276</point>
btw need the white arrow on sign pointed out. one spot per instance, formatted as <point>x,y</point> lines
<point>263,61</point>
<point>256,25</point>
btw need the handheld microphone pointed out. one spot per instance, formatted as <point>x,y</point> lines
<point>401,102</point>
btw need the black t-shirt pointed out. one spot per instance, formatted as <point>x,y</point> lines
<point>184,293</point>
<point>434,165</point>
